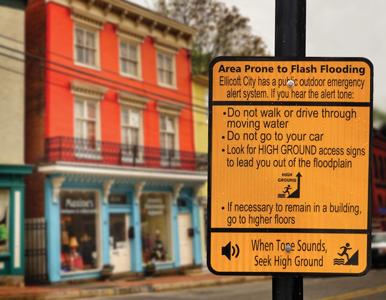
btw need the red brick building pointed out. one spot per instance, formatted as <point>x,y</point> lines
<point>109,125</point>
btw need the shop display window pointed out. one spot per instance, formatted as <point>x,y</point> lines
<point>4,220</point>
<point>156,232</point>
<point>78,221</point>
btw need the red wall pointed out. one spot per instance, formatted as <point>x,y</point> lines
<point>60,101</point>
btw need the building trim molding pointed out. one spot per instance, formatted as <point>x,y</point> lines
<point>103,170</point>
<point>86,90</point>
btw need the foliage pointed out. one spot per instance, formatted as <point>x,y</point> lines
<point>220,31</point>
<point>379,115</point>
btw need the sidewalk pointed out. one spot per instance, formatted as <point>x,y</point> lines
<point>122,287</point>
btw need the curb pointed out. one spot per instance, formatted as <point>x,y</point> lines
<point>115,291</point>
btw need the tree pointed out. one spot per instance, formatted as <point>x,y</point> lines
<point>220,31</point>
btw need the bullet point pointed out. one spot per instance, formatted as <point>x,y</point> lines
<point>223,150</point>
<point>224,113</point>
<point>222,208</point>
<point>223,137</point>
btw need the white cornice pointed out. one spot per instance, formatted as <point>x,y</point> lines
<point>131,34</point>
<point>126,98</point>
<point>103,170</point>
<point>132,15</point>
<point>87,18</point>
<point>169,108</point>
<point>86,90</point>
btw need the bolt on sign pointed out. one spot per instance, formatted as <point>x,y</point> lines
<point>289,171</point>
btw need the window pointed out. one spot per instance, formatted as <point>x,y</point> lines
<point>129,59</point>
<point>165,67</point>
<point>79,231</point>
<point>206,99</point>
<point>86,128</point>
<point>131,118</point>
<point>156,229</point>
<point>169,152</point>
<point>85,46</point>
<point>4,220</point>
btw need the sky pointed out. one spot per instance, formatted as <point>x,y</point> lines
<point>334,28</point>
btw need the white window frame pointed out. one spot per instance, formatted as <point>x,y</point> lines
<point>88,93</point>
<point>138,74</point>
<point>173,111</point>
<point>98,223</point>
<point>132,101</point>
<point>206,99</point>
<point>127,154</point>
<point>81,146</point>
<point>169,225</point>
<point>96,65</point>
<point>173,160</point>
<point>173,70</point>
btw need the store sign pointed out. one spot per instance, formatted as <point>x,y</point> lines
<point>154,207</point>
<point>117,199</point>
<point>290,152</point>
<point>77,203</point>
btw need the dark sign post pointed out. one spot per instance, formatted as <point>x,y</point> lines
<point>290,40</point>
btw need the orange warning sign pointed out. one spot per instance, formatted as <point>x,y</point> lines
<point>290,149</point>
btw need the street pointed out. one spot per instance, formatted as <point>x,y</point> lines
<point>372,286</point>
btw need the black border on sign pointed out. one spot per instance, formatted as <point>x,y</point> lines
<point>297,230</point>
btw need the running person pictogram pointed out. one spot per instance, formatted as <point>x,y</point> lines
<point>286,190</point>
<point>345,249</point>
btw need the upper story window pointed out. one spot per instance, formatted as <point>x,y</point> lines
<point>169,131</point>
<point>86,122</point>
<point>166,62</point>
<point>86,36</point>
<point>129,59</point>
<point>165,69</point>
<point>130,40</point>
<point>86,46</point>
<point>87,118</point>
<point>132,106</point>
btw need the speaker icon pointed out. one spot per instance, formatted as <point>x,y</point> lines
<point>226,250</point>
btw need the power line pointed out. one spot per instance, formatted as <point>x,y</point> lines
<point>74,76</point>
<point>103,69</point>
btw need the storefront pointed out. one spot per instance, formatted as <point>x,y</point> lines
<point>12,221</point>
<point>97,221</point>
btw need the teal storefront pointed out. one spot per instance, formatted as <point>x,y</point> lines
<point>97,221</point>
<point>12,220</point>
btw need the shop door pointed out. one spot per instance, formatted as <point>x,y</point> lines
<point>186,241</point>
<point>119,242</point>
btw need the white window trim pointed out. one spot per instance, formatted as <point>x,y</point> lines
<point>81,151</point>
<point>176,159</point>
<point>133,101</point>
<point>138,76</point>
<point>174,69</point>
<point>169,228</point>
<point>126,157</point>
<point>89,93</point>
<point>206,102</point>
<point>97,46</point>
<point>99,246</point>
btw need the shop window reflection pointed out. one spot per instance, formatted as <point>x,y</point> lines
<point>78,231</point>
<point>156,233</point>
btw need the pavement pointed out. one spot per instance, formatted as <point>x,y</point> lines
<point>202,278</point>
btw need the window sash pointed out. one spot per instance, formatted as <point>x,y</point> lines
<point>131,131</point>
<point>165,68</point>
<point>129,59</point>
<point>168,137</point>
<point>86,124</point>
<point>85,46</point>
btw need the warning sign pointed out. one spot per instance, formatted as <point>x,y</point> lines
<point>290,150</point>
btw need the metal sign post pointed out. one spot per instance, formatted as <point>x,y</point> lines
<point>290,40</point>
<point>289,162</point>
